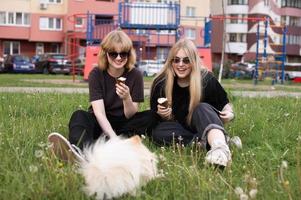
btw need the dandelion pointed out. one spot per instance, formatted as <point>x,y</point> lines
<point>38,153</point>
<point>180,138</point>
<point>33,168</point>
<point>238,191</point>
<point>143,136</point>
<point>284,164</point>
<point>42,144</point>
<point>253,193</point>
<point>243,197</point>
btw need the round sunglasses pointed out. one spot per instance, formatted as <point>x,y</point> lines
<point>113,54</point>
<point>177,60</point>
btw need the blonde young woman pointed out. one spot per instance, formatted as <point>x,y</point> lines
<point>198,104</point>
<point>114,106</point>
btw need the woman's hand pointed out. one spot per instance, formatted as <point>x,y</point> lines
<point>122,91</point>
<point>165,113</point>
<point>226,115</point>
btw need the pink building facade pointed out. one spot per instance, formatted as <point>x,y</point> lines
<point>57,26</point>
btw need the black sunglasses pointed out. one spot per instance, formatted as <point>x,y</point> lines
<point>177,60</point>
<point>114,54</point>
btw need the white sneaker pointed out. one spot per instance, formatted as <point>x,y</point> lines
<point>62,148</point>
<point>219,155</point>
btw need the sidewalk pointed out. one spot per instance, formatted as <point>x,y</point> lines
<point>250,94</point>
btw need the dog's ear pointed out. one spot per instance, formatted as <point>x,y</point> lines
<point>135,139</point>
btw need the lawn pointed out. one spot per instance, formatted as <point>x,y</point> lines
<point>41,80</point>
<point>268,162</point>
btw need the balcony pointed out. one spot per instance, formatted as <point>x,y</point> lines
<point>237,9</point>
<point>237,28</point>
<point>236,47</point>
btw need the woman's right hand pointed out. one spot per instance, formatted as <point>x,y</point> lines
<point>165,113</point>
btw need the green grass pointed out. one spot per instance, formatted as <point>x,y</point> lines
<point>269,129</point>
<point>41,80</point>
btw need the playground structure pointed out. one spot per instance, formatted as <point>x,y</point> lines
<point>153,33</point>
<point>162,30</point>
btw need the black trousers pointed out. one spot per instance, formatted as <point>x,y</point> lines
<point>204,118</point>
<point>84,128</point>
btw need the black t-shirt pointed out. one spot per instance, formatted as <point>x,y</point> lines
<point>212,93</point>
<point>102,86</point>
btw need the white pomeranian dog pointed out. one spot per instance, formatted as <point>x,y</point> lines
<point>117,166</point>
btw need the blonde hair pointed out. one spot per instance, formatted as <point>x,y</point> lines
<point>111,42</point>
<point>195,84</point>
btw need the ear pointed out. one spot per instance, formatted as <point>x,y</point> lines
<point>135,139</point>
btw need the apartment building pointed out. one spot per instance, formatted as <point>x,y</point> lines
<point>33,27</point>
<point>241,39</point>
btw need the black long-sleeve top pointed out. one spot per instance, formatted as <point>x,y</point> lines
<point>212,93</point>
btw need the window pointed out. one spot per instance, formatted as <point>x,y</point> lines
<point>50,23</point>
<point>291,3</point>
<point>39,48</point>
<point>55,48</point>
<point>11,18</point>
<point>190,11</point>
<point>79,22</point>
<point>237,2</point>
<point>53,1</point>
<point>14,18</point>
<point>2,18</point>
<point>190,33</point>
<point>237,37</point>
<point>10,47</point>
<point>294,21</point>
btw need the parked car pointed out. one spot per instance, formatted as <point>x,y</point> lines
<point>79,65</point>
<point>53,63</point>
<point>242,70</point>
<point>150,67</point>
<point>1,65</point>
<point>18,63</point>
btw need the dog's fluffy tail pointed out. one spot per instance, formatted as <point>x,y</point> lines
<point>118,166</point>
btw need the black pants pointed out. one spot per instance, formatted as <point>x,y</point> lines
<point>84,128</point>
<point>204,118</point>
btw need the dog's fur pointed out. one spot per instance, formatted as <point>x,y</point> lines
<point>116,167</point>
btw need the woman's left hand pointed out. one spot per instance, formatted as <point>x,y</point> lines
<point>226,115</point>
<point>123,91</point>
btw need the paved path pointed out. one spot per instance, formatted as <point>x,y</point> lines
<point>146,91</point>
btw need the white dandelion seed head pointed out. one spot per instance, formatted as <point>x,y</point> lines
<point>38,153</point>
<point>253,193</point>
<point>33,168</point>
<point>284,164</point>
<point>238,191</point>
<point>243,197</point>
<point>180,138</point>
<point>42,144</point>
